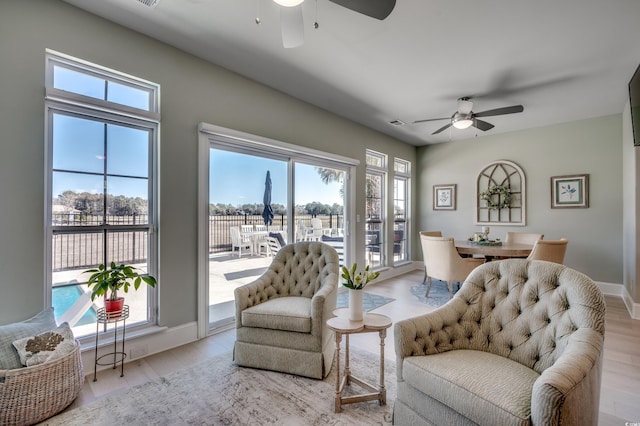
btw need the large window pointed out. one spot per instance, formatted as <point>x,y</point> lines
<point>401,229</point>
<point>375,208</point>
<point>101,139</point>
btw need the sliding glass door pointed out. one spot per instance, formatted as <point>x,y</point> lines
<point>255,194</point>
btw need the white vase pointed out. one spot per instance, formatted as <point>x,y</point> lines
<point>355,305</point>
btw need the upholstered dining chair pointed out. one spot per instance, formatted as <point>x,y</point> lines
<point>281,316</point>
<point>444,263</point>
<point>549,250</point>
<point>428,234</point>
<point>521,343</point>
<point>522,238</point>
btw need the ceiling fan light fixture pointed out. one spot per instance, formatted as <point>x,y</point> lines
<point>461,121</point>
<point>288,3</point>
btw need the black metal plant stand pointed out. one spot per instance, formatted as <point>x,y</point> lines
<point>116,357</point>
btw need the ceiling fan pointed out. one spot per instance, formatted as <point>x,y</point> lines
<point>292,24</point>
<point>464,117</point>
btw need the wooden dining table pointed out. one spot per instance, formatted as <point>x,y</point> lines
<point>467,248</point>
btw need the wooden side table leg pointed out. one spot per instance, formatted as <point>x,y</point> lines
<point>338,397</point>
<point>383,390</point>
<point>347,370</point>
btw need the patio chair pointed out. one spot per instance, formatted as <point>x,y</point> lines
<point>239,241</point>
<point>281,316</point>
<point>273,244</point>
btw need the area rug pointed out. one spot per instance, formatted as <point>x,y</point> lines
<point>217,392</point>
<point>438,295</point>
<point>370,301</point>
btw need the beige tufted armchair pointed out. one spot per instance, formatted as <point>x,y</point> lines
<point>281,317</point>
<point>519,344</point>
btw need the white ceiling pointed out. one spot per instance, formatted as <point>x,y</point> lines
<point>563,60</point>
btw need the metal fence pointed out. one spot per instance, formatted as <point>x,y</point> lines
<point>220,234</point>
<point>78,250</point>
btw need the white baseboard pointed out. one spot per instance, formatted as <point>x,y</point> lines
<point>619,290</point>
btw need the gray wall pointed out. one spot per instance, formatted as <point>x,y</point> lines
<point>192,91</point>
<point>590,146</point>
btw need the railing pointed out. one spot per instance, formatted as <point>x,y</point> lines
<point>220,234</point>
<point>78,250</point>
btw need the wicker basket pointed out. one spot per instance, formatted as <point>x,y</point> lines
<point>32,394</point>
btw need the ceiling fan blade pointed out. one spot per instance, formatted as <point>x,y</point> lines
<point>431,119</point>
<point>292,26</point>
<point>441,129</point>
<point>482,125</point>
<point>500,111</point>
<point>378,9</point>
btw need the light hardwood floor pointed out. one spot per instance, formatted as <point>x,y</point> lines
<point>620,395</point>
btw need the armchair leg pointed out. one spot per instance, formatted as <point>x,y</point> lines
<point>428,286</point>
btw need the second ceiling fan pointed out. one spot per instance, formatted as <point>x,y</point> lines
<point>292,24</point>
<point>464,117</point>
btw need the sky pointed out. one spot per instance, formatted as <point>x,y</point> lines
<point>79,156</point>
<point>238,179</point>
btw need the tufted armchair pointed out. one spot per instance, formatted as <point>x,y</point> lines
<point>281,317</point>
<point>520,343</point>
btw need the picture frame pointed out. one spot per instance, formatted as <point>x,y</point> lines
<point>570,191</point>
<point>444,197</point>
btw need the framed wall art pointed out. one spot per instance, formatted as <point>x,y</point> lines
<point>571,191</point>
<point>444,197</point>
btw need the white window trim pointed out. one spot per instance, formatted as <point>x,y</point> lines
<point>67,102</point>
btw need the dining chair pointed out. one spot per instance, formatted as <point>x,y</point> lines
<point>549,250</point>
<point>444,263</point>
<point>246,228</point>
<point>428,234</point>
<point>522,238</point>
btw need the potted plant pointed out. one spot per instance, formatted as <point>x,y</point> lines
<point>107,281</point>
<point>355,282</point>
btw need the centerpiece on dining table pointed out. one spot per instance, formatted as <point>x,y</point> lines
<point>482,238</point>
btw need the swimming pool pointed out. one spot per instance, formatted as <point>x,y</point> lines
<point>64,297</point>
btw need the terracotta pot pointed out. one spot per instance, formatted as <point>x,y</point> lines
<point>114,308</point>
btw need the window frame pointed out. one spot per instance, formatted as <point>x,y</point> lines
<point>84,107</point>
<point>402,172</point>
<point>376,165</point>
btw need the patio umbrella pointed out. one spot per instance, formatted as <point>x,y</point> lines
<point>267,213</point>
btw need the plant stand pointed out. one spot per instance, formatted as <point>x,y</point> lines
<point>106,318</point>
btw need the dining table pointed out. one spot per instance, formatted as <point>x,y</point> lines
<point>469,248</point>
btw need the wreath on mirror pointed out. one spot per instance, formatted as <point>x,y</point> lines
<point>504,197</point>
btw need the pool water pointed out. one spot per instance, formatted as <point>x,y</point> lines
<point>65,297</point>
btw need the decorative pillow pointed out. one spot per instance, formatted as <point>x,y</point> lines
<point>278,236</point>
<point>9,333</point>
<point>334,239</point>
<point>47,346</point>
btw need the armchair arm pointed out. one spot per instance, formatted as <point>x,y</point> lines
<point>323,303</point>
<point>564,393</point>
<point>426,334</point>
